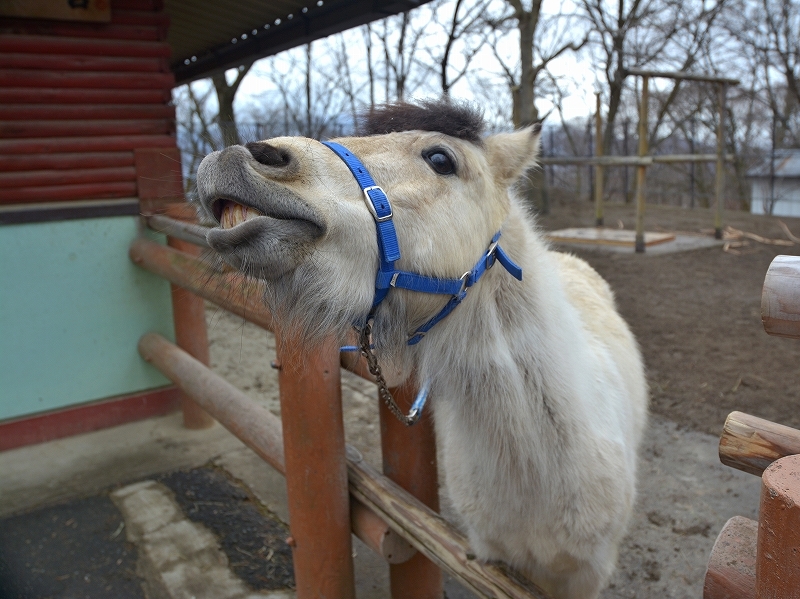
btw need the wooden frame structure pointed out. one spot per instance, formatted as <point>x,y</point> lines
<point>643,159</point>
<point>761,560</point>
<point>331,490</point>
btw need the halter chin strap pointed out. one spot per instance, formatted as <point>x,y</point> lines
<point>388,276</point>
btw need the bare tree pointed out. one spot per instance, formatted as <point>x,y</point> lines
<point>226,94</point>
<point>464,29</point>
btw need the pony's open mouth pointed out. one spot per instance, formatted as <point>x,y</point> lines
<point>230,213</point>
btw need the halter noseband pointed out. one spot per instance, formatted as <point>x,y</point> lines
<point>388,276</point>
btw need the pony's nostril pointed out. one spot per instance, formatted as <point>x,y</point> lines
<point>268,155</point>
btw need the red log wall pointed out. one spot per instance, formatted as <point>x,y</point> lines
<point>76,100</point>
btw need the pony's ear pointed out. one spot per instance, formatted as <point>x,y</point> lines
<point>511,154</point>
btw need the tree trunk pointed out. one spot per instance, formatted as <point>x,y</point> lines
<point>226,94</point>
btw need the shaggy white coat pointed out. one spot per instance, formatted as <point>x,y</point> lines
<point>537,387</point>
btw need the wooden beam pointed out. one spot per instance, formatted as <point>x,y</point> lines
<point>48,44</point>
<point>780,297</point>
<point>85,79</point>
<point>750,444</point>
<point>641,170</point>
<point>778,551</point>
<point>85,112</point>
<point>66,160</point>
<point>28,95</point>
<point>82,191</point>
<point>731,572</point>
<point>17,179</point>
<point>681,76</point>
<point>84,144</point>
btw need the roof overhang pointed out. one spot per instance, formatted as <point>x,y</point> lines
<point>201,32</point>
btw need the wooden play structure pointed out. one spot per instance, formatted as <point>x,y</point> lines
<point>644,159</point>
<point>761,560</point>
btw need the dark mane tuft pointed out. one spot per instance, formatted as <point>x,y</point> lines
<point>453,119</point>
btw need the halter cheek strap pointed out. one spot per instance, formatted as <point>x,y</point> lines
<point>388,277</point>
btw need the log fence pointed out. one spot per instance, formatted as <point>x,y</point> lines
<point>643,159</point>
<point>761,560</point>
<point>332,491</point>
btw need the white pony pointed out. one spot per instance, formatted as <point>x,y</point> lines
<point>537,386</point>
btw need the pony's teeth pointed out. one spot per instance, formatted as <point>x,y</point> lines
<point>235,214</point>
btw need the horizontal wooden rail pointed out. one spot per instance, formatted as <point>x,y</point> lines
<point>630,160</point>
<point>229,290</point>
<point>751,444</point>
<point>257,428</point>
<point>682,76</point>
<point>232,291</point>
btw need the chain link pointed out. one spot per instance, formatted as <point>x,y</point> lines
<point>375,370</point>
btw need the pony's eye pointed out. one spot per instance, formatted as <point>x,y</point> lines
<point>439,161</point>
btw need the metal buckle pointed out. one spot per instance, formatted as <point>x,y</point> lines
<point>371,206</point>
<point>491,257</point>
<point>463,280</point>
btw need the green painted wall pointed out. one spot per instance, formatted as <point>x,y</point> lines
<point>72,308</point>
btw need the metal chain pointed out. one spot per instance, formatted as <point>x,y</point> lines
<point>375,370</point>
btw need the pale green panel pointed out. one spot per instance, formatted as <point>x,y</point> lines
<point>72,308</point>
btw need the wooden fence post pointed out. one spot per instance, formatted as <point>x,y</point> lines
<point>641,170</point>
<point>409,459</point>
<point>316,470</point>
<point>778,550</point>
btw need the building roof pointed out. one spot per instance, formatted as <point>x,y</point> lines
<point>786,165</point>
<point>209,36</point>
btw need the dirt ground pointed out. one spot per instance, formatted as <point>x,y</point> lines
<point>697,318</point>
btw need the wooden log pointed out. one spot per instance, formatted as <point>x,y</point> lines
<point>780,297</point>
<point>16,179</point>
<point>46,44</point>
<point>88,144</point>
<point>641,170</point>
<point>432,535</point>
<point>256,427</point>
<point>191,335</point>
<point>778,551</point>
<point>70,160</point>
<point>681,75</point>
<point>87,112</point>
<point>108,31</point>
<point>599,171</point>
<point>77,128</point>
<point>751,444</point>
<point>719,179</point>
<point>731,572</point>
<point>84,191</point>
<point>81,62</point>
<point>26,95</point>
<point>85,80</point>
<point>409,460</point>
<point>673,158</point>
<point>229,290</point>
<point>316,468</point>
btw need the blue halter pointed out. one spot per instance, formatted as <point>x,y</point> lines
<point>388,276</point>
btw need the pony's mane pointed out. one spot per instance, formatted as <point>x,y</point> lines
<point>454,119</point>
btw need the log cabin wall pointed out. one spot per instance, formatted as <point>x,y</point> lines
<point>87,139</point>
<point>78,98</point>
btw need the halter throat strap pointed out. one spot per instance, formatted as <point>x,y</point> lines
<point>389,249</point>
